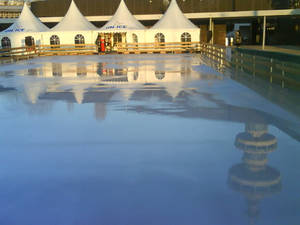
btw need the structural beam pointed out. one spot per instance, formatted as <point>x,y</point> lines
<point>214,15</point>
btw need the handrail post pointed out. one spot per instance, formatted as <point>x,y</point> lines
<point>254,65</point>
<point>283,75</point>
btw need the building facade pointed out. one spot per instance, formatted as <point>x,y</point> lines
<point>57,8</point>
<point>10,9</point>
<point>280,29</point>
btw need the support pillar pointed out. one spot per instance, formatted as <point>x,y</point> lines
<point>264,33</point>
<point>211,28</point>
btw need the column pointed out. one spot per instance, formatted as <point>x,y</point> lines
<point>211,28</point>
<point>264,33</point>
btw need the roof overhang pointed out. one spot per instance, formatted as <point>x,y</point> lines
<point>206,15</point>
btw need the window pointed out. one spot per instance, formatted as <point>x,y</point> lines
<point>5,42</point>
<point>33,72</point>
<point>160,75</point>
<point>54,40</point>
<point>135,38</point>
<point>81,70</point>
<point>186,37</point>
<point>136,75</point>
<point>29,41</point>
<point>117,38</point>
<point>57,69</point>
<point>79,39</point>
<point>159,38</point>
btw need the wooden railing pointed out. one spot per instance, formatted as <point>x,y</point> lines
<point>79,49</point>
<point>122,48</point>
<point>215,52</point>
<point>168,47</point>
<point>12,54</point>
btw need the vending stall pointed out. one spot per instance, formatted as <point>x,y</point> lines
<point>123,27</point>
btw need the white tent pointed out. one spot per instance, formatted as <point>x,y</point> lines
<point>26,25</point>
<point>73,21</point>
<point>174,19</point>
<point>124,22</point>
<point>27,22</point>
<point>173,26</point>
<point>72,25</point>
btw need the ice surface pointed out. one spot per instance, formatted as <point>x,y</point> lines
<point>148,139</point>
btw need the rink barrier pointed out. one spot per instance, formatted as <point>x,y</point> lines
<point>120,48</point>
<point>275,67</point>
<point>15,54</point>
<point>158,48</point>
<point>278,68</point>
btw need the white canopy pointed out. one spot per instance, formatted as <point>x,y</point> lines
<point>27,22</point>
<point>174,19</point>
<point>73,21</point>
<point>123,20</point>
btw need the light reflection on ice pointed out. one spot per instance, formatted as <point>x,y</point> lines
<point>166,84</point>
<point>77,77</point>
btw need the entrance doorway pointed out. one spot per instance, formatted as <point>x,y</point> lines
<point>29,43</point>
<point>108,42</point>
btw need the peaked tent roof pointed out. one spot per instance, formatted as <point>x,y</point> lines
<point>73,20</point>
<point>174,19</point>
<point>123,19</point>
<point>27,22</point>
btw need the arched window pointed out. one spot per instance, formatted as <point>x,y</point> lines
<point>54,40</point>
<point>79,39</point>
<point>5,42</point>
<point>159,38</point>
<point>29,41</point>
<point>186,37</point>
<point>81,70</point>
<point>135,38</point>
<point>57,69</point>
<point>136,75</point>
<point>160,75</point>
<point>117,38</point>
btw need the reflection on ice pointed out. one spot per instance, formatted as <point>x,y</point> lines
<point>253,177</point>
<point>175,80</point>
<point>165,137</point>
<point>78,78</point>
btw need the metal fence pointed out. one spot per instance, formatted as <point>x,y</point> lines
<point>279,68</point>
